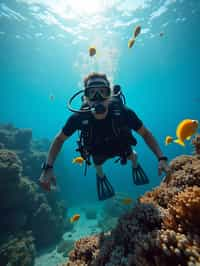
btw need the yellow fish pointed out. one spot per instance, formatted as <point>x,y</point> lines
<point>74,218</point>
<point>168,140</point>
<point>185,130</point>
<point>127,201</point>
<point>78,160</point>
<point>92,51</point>
<point>131,42</point>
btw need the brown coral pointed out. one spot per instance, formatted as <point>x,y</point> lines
<point>164,229</point>
<point>85,250</point>
<point>185,172</point>
<point>196,144</point>
<point>10,167</point>
<point>184,211</point>
<point>167,247</point>
<point>159,196</point>
<point>19,250</point>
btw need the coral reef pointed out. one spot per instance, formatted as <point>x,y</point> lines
<point>24,205</point>
<point>196,144</point>
<point>18,250</point>
<point>84,251</point>
<point>163,228</point>
<point>167,247</point>
<point>160,196</point>
<point>14,138</point>
<point>183,212</point>
<point>10,167</point>
<point>31,152</point>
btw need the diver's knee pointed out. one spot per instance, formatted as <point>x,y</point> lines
<point>133,156</point>
<point>98,166</point>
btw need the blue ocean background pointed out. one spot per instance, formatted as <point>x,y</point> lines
<point>44,52</point>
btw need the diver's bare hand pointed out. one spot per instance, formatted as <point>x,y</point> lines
<point>47,178</point>
<point>163,167</point>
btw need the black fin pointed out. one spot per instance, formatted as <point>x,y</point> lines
<point>104,188</point>
<point>139,176</point>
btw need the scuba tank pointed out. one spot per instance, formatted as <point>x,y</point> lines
<point>117,92</point>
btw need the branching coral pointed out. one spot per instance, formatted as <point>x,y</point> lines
<point>160,196</point>
<point>141,219</point>
<point>164,229</point>
<point>23,205</point>
<point>19,250</point>
<point>10,167</point>
<point>85,250</point>
<point>167,247</point>
<point>184,211</point>
<point>185,172</point>
<point>196,144</point>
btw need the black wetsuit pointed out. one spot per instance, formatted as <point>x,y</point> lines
<point>104,142</point>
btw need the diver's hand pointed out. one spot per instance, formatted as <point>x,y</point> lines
<point>163,167</point>
<point>47,179</point>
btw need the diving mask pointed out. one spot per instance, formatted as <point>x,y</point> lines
<point>97,89</point>
<point>97,94</point>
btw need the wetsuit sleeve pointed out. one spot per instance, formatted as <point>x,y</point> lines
<point>132,119</point>
<point>72,124</point>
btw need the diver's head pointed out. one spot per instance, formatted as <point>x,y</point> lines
<point>97,92</point>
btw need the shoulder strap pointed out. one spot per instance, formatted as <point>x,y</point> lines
<point>120,126</point>
<point>117,117</point>
<point>85,132</point>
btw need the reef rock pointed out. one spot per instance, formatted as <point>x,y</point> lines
<point>14,138</point>
<point>18,250</point>
<point>24,205</point>
<point>10,167</point>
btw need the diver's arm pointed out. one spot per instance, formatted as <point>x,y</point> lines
<point>150,141</point>
<point>55,148</point>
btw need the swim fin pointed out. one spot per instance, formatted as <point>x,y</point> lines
<point>139,176</point>
<point>104,188</point>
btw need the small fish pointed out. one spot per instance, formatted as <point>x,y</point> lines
<point>74,218</point>
<point>168,140</point>
<point>161,34</point>
<point>185,130</point>
<point>92,51</point>
<point>131,42</point>
<point>78,160</point>
<point>127,201</point>
<point>137,31</point>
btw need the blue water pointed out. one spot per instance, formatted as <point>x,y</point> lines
<point>44,52</point>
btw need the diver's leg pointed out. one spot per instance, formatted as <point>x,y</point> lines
<point>104,188</point>
<point>138,174</point>
<point>99,170</point>
<point>98,161</point>
<point>133,157</point>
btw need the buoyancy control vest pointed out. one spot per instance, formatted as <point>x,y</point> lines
<point>120,130</point>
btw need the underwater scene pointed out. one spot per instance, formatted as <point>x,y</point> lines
<point>99,133</point>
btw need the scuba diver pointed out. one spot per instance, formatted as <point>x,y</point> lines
<point>105,125</point>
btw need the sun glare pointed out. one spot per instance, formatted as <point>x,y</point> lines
<point>87,6</point>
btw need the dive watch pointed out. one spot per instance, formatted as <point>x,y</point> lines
<point>46,166</point>
<point>162,158</point>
